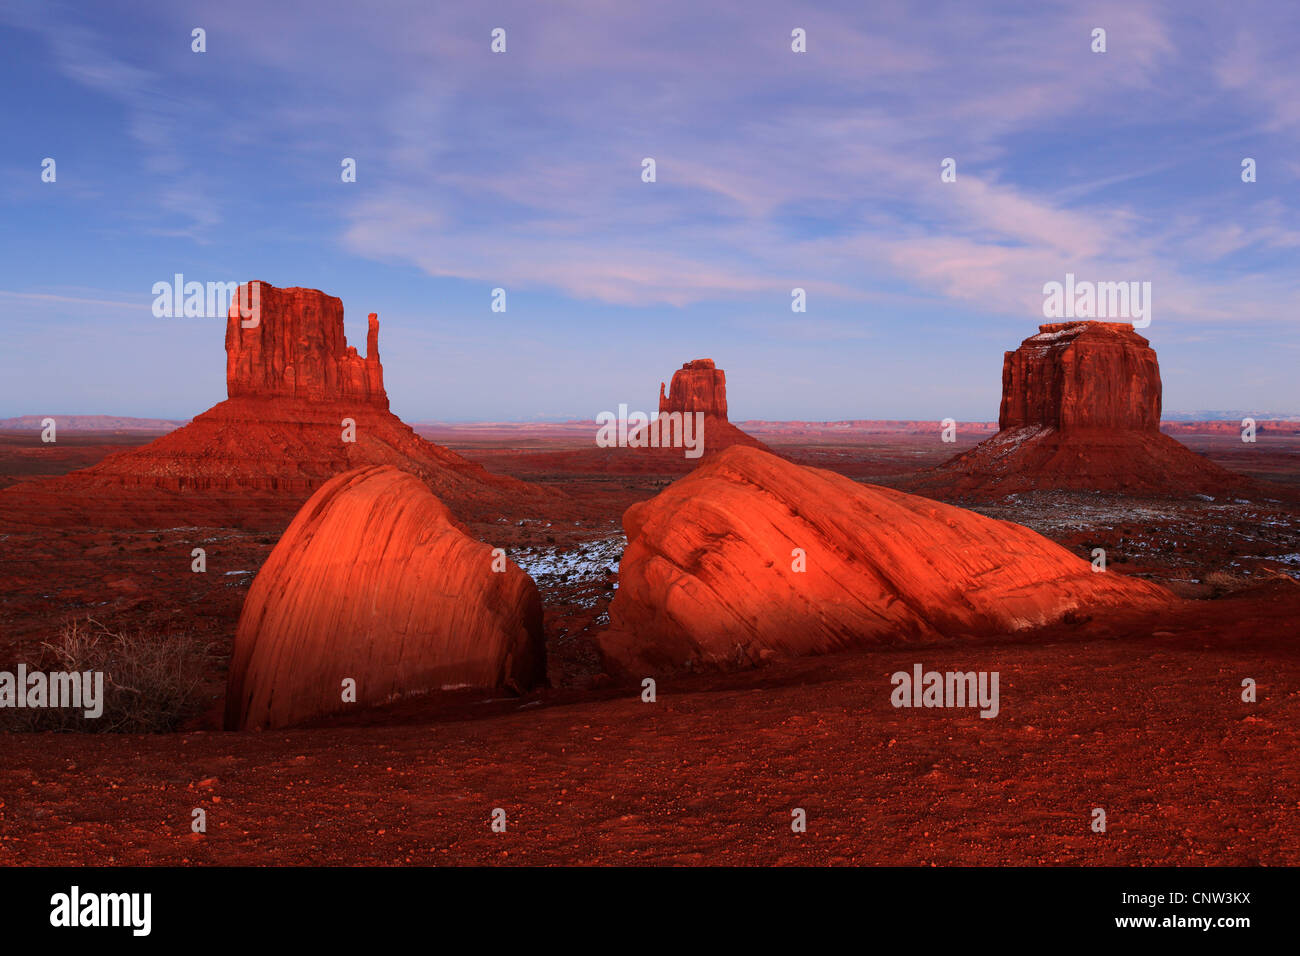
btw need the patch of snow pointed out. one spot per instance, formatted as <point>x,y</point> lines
<point>585,563</point>
<point>1045,337</point>
<point>587,560</point>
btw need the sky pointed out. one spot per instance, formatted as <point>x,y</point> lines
<point>774,170</point>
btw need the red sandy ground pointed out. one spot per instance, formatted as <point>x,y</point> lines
<point>1140,716</point>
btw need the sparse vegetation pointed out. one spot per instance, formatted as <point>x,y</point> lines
<point>1224,582</point>
<point>151,681</point>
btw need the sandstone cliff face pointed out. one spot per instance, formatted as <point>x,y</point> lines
<point>375,581</point>
<point>698,386</point>
<point>1082,375</point>
<point>710,577</point>
<point>297,350</point>
<point>253,459</point>
<point>1080,412</point>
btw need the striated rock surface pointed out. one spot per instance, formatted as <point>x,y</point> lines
<point>698,386</point>
<point>709,578</point>
<point>296,349</point>
<point>1082,375</point>
<point>303,407</point>
<point>1080,412</point>
<point>375,581</point>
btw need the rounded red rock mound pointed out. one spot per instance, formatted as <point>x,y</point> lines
<point>375,581</point>
<point>751,556</point>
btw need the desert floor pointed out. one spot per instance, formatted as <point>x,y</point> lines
<point>1140,716</point>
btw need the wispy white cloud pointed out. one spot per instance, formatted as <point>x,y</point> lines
<point>99,303</point>
<point>1260,67</point>
<point>751,139</point>
<point>775,169</point>
<point>153,113</point>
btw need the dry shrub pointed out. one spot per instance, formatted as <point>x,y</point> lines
<point>1224,582</point>
<point>151,682</point>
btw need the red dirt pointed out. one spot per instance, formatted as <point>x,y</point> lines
<point>1137,713</point>
<point>1150,728</point>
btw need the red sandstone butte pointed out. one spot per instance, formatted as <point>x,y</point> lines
<point>1080,412</point>
<point>300,352</point>
<point>376,581</point>
<point>710,578</point>
<point>700,386</point>
<point>253,459</point>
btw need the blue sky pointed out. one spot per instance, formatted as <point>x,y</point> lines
<point>522,170</point>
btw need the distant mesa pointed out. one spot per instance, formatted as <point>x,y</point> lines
<point>89,423</point>
<point>293,383</point>
<point>855,428</point>
<point>376,582</point>
<point>700,386</point>
<point>752,557</point>
<point>1082,375</point>
<point>1232,427</point>
<point>1080,412</point>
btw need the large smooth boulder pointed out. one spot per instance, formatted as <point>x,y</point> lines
<point>712,578</point>
<point>375,581</point>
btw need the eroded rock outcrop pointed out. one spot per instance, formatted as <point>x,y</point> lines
<point>303,406</point>
<point>1082,375</point>
<point>1080,411</point>
<point>295,348</point>
<point>691,427</point>
<point>751,556</point>
<point>376,582</point>
<point>698,386</point>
